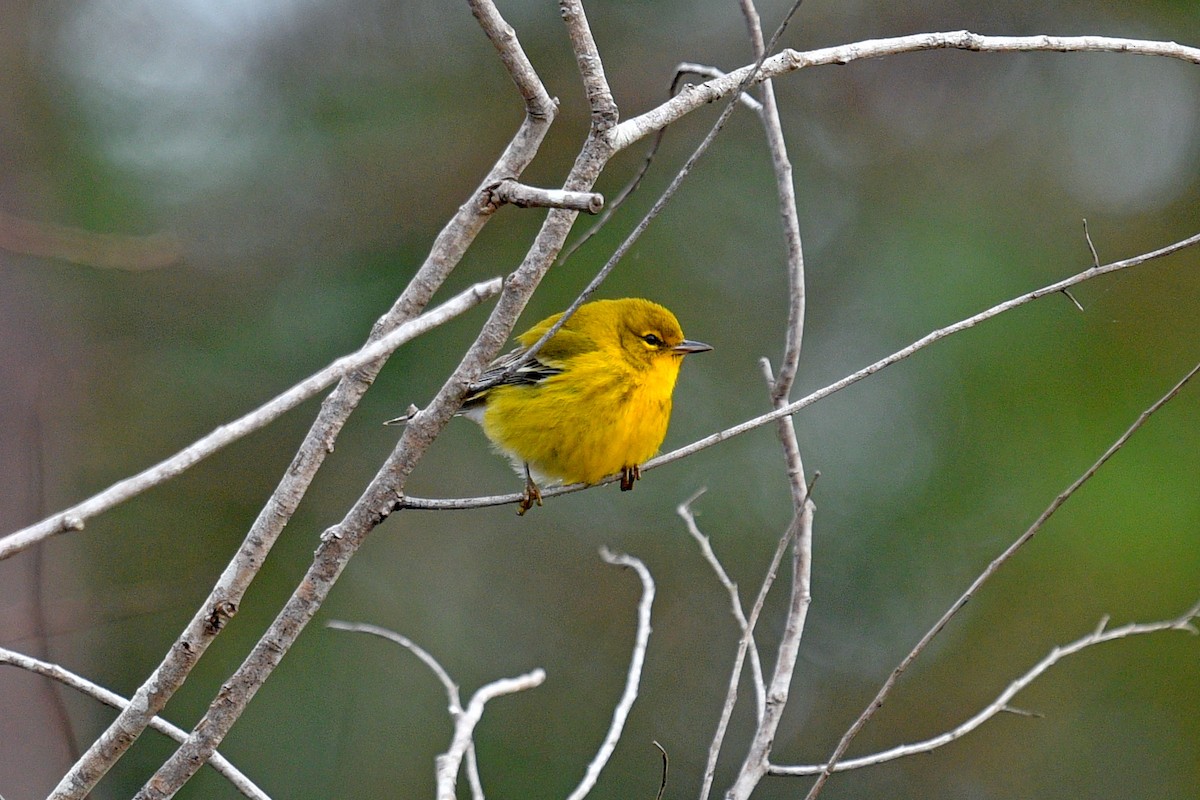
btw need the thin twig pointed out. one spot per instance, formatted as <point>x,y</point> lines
<point>632,185</point>
<point>706,71</point>
<point>758,754</point>
<point>632,678</point>
<point>445,504</point>
<point>1000,560</point>
<point>464,726</point>
<point>73,518</point>
<point>786,61</point>
<point>1091,247</point>
<point>662,785</point>
<point>1095,263</point>
<point>114,700</point>
<point>454,702</point>
<point>522,195</point>
<point>421,653</point>
<point>684,510</point>
<point>739,659</point>
<point>746,645</point>
<point>757,759</point>
<point>1002,703</point>
<point>1071,297</point>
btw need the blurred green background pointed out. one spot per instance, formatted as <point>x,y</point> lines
<point>306,154</point>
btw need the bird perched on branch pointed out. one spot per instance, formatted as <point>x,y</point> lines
<point>594,400</point>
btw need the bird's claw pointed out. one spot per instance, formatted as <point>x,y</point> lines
<point>628,476</point>
<point>531,496</point>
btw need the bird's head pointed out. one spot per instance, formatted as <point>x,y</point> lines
<point>650,335</point>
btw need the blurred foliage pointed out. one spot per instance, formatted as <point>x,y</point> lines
<point>306,155</point>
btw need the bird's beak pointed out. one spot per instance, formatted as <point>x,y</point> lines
<point>688,346</point>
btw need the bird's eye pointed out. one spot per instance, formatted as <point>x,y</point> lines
<point>652,340</point>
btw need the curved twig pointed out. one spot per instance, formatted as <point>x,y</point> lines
<point>1184,622</point>
<point>633,677</point>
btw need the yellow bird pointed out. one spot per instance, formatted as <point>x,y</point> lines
<point>595,400</point>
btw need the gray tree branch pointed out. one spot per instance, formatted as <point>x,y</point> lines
<point>699,95</point>
<point>886,689</point>
<point>447,250</point>
<point>81,684</point>
<point>381,497</point>
<point>1185,622</point>
<point>633,676</point>
<point>74,518</point>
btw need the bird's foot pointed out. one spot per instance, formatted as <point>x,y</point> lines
<point>629,475</point>
<point>532,495</point>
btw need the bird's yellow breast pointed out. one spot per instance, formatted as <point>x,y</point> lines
<point>587,422</point>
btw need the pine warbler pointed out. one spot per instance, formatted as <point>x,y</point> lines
<point>595,400</point>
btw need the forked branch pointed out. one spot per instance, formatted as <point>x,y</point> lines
<point>81,684</point>
<point>1185,622</point>
<point>633,676</point>
<point>886,689</point>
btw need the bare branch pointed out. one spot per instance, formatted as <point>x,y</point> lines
<point>662,785</point>
<point>452,697</point>
<point>632,679</point>
<point>600,115</point>
<point>587,60</point>
<point>1091,247</point>
<point>759,752</point>
<point>382,495</point>
<point>757,760</point>
<point>72,519</point>
<point>706,71</point>
<point>443,504</point>
<point>693,97</point>
<point>525,196</point>
<point>1001,704</point>
<point>114,700</point>
<point>684,510</point>
<point>464,726</point>
<point>446,252</point>
<point>632,185</point>
<point>991,569</point>
<point>538,103</point>
<point>591,69</point>
<point>770,708</point>
<point>746,643</point>
<point>421,653</point>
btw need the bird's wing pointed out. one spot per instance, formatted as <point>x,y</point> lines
<point>528,374</point>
